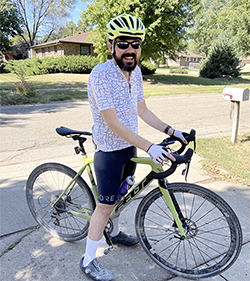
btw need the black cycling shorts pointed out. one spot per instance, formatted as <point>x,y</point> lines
<point>111,168</point>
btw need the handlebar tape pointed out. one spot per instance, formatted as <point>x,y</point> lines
<point>180,159</point>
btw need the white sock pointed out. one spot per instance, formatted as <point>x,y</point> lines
<point>90,252</point>
<point>115,230</point>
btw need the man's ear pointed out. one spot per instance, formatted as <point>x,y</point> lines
<point>110,46</point>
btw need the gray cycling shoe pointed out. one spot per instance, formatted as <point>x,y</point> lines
<point>95,271</point>
<point>127,240</point>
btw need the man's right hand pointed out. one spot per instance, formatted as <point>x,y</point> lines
<point>159,154</point>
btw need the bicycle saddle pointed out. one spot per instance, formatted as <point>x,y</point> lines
<point>64,131</point>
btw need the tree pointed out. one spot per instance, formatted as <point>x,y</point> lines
<point>69,29</point>
<point>11,24</point>
<point>42,16</point>
<point>221,62</point>
<point>219,17</point>
<point>165,21</point>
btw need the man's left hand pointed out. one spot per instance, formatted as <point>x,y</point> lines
<point>179,135</point>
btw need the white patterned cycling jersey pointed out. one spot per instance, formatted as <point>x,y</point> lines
<point>109,88</point>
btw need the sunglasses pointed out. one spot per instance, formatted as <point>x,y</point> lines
<point>124,44</point>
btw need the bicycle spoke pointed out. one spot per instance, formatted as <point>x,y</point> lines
<point>212,240</point>
<point>51,208</point>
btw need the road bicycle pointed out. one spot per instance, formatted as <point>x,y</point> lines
<point>185,228</point>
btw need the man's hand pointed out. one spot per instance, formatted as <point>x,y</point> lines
<point>159,154</point>
<point>179,135</point>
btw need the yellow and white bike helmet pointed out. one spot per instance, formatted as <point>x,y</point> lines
<point>125,25</point>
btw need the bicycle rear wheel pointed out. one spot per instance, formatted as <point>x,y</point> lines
<point>213,232</point>
<point>44,185</point>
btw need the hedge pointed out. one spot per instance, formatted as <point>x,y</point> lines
<point>67,64</point>
<point>147,68</point>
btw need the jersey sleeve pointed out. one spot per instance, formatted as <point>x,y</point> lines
<point>140,94</point>
<point>99,89</point>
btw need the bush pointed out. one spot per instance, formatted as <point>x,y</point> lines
<point>77,64</point>
<point>221,62</point>
<point>46,65</point>
<point>2,66</point>
<point>25,88</point>
<point>178,70</point>
<point>147,68</point>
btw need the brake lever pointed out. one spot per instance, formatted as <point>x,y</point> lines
<point>185,171</point>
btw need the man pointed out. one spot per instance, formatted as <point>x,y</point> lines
<point>116,98</point>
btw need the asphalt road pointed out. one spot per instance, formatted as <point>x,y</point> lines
<point>28,138</point>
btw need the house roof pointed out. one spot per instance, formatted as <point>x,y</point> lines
<point>245,59</point>
<point>189,54</point>
<point>80,38</point>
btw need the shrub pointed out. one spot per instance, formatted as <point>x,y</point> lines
<point>178,70</point>
<point>221,62</point>
<point>147,68</point>
<point>46,65</point>
<point>25,88</point>
<point>2,66</point>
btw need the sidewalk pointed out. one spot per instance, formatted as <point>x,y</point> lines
<point>28,138</point>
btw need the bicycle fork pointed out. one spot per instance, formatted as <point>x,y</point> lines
<point>173,207</point>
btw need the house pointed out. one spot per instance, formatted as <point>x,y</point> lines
<point>18,51</point>
<point>246,64</point>
<point>79,44</point>
<point>185,59</point>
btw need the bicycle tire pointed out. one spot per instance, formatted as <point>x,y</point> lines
<point>43,187</point>
<point>213,232</point>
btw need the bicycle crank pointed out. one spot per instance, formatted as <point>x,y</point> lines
<point>108,229</point>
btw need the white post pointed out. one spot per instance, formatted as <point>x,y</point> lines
<point>235,116</point>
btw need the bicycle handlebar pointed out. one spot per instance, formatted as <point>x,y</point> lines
<point>179,159</point>
<point>189,137</point>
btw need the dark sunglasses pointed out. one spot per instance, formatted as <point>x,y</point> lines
<point>124,44</point>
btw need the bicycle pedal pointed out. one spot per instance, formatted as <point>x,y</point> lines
<point>108,250</point>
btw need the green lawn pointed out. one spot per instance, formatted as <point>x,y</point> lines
<point>225,160</point>
<point>61,86</point>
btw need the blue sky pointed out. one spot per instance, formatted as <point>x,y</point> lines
<point>75,14</point>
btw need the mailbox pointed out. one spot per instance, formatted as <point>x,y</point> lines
<point>236,94</point>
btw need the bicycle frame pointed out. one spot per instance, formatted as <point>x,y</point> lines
<point>130,196</point>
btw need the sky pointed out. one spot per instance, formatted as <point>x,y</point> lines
<point>75,14</point>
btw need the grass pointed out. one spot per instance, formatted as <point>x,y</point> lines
<point>164,83</point>
<point>51,87</point>
<point>61,86</point>
<point>49,81</point>
<point>225,160</point>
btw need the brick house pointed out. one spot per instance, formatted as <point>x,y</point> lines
<point>185,59</point>
<point>246,62</point>
<point>17,52</point>
<point>79,44</point>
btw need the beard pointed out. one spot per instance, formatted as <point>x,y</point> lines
<point>126,66</point>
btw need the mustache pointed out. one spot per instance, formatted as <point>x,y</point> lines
<point>128,55</point>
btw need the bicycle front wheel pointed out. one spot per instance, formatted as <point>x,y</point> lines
<point>213,232</point>
<point>63,219</point>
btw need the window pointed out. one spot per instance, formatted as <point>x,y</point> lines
<point>195,59</point>
<point>43,51</point>
<point>85,50</point>
<point>55,50</point>
<point>187,59</point>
